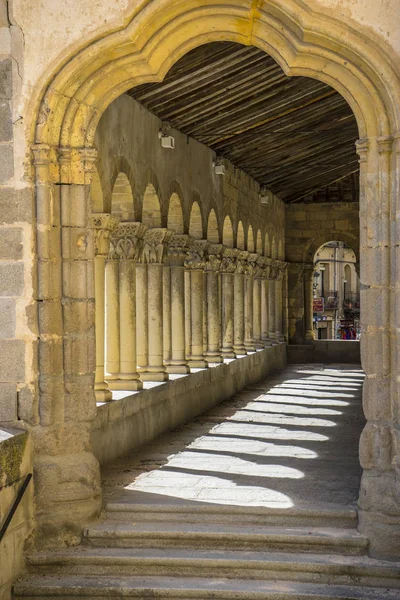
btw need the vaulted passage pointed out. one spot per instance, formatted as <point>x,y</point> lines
<point>254,499</point>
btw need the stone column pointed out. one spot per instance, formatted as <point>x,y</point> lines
<point>279,301</point>
<point>195,265</point>
<point>264,306</point>
<point>285,320</point>
<point>308,303</point>
<point>238,293</point>
<point>228,268</point>
<point>127,246</point>
<point>248,302</point>
<point>257,303</point>
<point>272,304</point>
<point>112,323</point>
<point>295,291</point>
<point>103,225</point>
<point>151,303</point>
<point>178,247</point>
<point>212,267</point>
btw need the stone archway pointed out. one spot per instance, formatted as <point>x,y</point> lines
<point>66,113</point>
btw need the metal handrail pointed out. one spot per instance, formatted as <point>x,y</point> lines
<point>14,507</point>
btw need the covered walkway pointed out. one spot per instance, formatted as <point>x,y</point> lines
<point>290,441</point>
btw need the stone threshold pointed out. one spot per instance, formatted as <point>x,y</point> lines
<point>133,418</point>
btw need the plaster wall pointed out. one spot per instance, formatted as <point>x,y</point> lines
<point>127,140</point>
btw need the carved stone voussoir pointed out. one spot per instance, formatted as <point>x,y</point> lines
<point>127,241</point>
<point>155,244</point>
<point>103,224</point>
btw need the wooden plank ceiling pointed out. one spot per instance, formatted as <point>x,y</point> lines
<point>294,135</point>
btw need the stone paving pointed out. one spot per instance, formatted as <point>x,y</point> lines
<point>289,441</point>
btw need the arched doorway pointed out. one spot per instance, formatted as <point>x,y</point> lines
<point>303,42</point>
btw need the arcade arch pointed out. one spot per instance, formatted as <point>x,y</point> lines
<point>303,42</point>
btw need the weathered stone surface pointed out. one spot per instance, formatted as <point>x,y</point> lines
<point>7,317</point>
<point>8,402</point>
<point>12,360</point>
<point>11,278</point>
<point>6,162</point>
<point>6,78</point>
<point>11,243</point>
<point>16,205</point>
<point>5,121</point>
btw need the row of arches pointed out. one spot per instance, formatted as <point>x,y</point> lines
<point>199,226</point>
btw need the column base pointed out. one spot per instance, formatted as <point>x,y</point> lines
<point>239,350</point>
<point>266,342</point>
<point>273,339</point>
<point>125,384</point>
<point>228,353</point>
<point>309,336</point>
<point>214,357</point>
<point>156,376</point>
<point>197,364</point>
<point>178,369</point>
<point>103,395</point>
<point>259,345</point>
<point>250,347</point>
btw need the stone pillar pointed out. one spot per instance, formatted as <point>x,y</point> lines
<point>257,303</point>
<point>127,246</point>
<point>308,303</point>
<point>238,292</point>
<point>151,304</point>
<point>296,297</point>
<point>195,265</point>
<point>112,323</point>
<point>285,319</point>
<point>264,307</point>
<point>279,301</point>
<point>103,225</point>
<point>248,302</point>
<point>178,247</point>
<point>212,267</point>
<point>67,475</point>
<point>272,305</point>
<point>228,268</point>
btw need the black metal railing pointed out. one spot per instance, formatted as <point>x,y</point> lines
<point>15,505</point>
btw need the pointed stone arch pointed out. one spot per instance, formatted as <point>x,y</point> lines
<point>227,232</point>
<point>267,247</point>
<point>151,210</point>
<point>240,243</point>
<point>196,222</point>
<point>212,227</point>
<point>122,202</point>
<point>274,248</point>
<point>96,193</point>
<point>259,244</point>
<point>175,214</point>
<point>281,251</point>
<point>250,239</point>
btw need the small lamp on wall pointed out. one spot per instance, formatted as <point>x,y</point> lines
<point>219,167</point>
<point>167,140</point>
<point>265,195</point>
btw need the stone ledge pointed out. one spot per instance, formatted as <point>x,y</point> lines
<point>134,418</point>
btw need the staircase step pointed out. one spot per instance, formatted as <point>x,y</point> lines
<point>312,568</point>
<point>197,512</point>
<point>113,534</point>
<point>98,588</point>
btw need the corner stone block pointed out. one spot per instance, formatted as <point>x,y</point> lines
<point>6,162</point>
<point>11,242</point>
<point>11,279</point>
<point>8,402</point>
<point>12,361</point>
<point>7,317</point>
<point>16,205</point>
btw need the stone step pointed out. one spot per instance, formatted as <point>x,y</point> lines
<point>197,512</point>
<point>195,535</point>
<point>167,588</point>
<point>311,568</point>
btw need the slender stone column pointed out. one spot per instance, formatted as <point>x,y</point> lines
<point>127,246</point>
<point>257,303</point>
<point>112,323</point>
<point>212,267</point>
<point>285,319</point>
<point>228,268</point>
<point>264,306</point>
<point>238,292</point>
<point>178,247</point>
<point>279,301</point>
<point>142,333</point>
<point>272,305</point>
<point>155,241</point>
<point>196,264</point>
<point>248,302</point>
<point>295,292</point>
<point>308,303</point>
<point>103,225</point>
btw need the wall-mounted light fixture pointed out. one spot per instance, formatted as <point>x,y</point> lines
<point>265,195</point>
<point>167,140</point>
<point>219,167</point>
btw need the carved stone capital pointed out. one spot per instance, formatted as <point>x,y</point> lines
<point>362,149</point>
<point>127,241</point>
<point>155,244</point>
<point>228,260</point>
<point>385,144</point>
<point>178,249</point>
<point>198,254</point>
<point>214,257</point>
<point>241,262</point>
<point>103,224</point>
